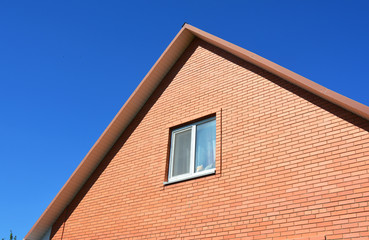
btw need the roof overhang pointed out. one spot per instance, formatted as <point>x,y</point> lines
<point>139,97</point>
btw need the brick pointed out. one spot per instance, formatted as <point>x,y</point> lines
<point>291,165</point>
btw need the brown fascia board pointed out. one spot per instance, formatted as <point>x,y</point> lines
<point>111,134</point>
<point>294,78</point>
<point>144,90</point>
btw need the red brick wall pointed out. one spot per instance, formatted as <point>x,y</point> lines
<point>290,165</point>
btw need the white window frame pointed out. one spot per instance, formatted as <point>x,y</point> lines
<point>192,173</point>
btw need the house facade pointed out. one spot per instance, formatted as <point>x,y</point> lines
<point>219,143</point>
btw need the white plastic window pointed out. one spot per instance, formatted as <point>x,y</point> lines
<point>192,151</point>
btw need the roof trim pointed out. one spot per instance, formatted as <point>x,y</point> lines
<point>144,90</point>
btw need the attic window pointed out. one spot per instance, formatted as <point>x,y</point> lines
<point>192,151</point>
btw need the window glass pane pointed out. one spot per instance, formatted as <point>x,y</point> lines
<point>182,152</point>
<point>205,146</point>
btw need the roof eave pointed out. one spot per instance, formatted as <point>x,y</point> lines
<point>111,134</point>
<point>294,78</point>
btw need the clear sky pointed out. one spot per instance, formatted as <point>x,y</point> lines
<point>67,67</point>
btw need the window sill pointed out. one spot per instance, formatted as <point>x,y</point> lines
<point>197,175</point>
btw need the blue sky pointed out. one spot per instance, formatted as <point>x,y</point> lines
<point>67,67</point>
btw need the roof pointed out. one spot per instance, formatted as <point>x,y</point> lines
<point>141,95</point>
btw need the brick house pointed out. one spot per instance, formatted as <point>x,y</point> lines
<point>219,143</point>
